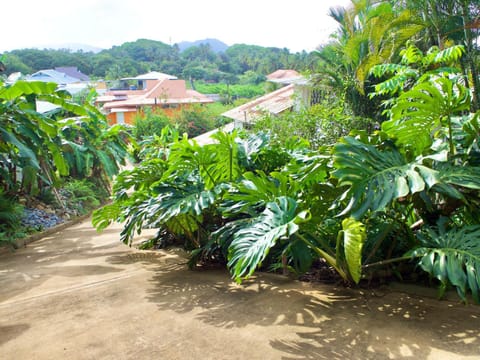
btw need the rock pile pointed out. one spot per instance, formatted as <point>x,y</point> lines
<point>37,218</point>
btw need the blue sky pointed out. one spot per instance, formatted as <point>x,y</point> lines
<point>297,25</point>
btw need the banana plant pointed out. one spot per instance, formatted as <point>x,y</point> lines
<point>28,138</point>
<point>48,147</point>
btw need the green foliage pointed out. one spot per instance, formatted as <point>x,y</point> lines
<point>377,176</point>
<point>193,120</point>
<point>10,218</point>
<point>39,152</point>
<point>416,68</point>
<point>143,55</point>
<point>247,91</point>
<point>320,124</point>
<point>251,77</point>
<point>82,195</point>
<point>149,124</point>
<point>354,237</point>
<point>251,244</point>
<point>452,256</point>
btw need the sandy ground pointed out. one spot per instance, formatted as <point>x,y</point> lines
<point>82,295</point>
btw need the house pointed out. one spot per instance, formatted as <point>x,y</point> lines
<point>51,75</point>
<point>73,72</point>
<point>294,94</point>
<point>273,103</point>
<point>67,78</point>
<point>71,82</point>
<point>161,92</point>
<point>285,76</point>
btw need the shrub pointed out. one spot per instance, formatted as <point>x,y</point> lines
<point>10,219</point>
<point>321,124</point>
<point>82,195</point>
<point>193,120</point>
<point>149,123</point>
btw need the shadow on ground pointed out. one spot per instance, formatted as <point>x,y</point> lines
<point>75,256</point>
<point>329,322</point>
<point>11,332</point>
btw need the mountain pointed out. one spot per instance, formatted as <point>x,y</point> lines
<point>215,44</point>
<point>74,47</point>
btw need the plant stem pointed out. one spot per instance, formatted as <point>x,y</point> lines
<point>328,258</point>
<point>450,136</point>
<point>389,261</point>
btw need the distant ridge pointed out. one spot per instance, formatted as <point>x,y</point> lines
<point>74,47</point>
<point>215,44</point>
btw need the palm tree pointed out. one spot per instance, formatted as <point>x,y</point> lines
<point>448,21</point>
<point>370,32</point>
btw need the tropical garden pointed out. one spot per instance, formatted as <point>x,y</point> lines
<point>64,158</point>
<point>381,178</point>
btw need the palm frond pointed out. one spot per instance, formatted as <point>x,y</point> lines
<point>449,55</point>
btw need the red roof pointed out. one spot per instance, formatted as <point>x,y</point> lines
<point>283,75</point>
<point>158,92</point>
<point>272,103</point>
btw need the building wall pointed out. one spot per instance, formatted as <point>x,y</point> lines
<point>129,117</point>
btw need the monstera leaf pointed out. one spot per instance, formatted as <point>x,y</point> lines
<point>377,177</point>
<point>257,189</point>
<point>178,206</point>
<point>452,256</point>
<point>253,239</point>
<point>418,113</point>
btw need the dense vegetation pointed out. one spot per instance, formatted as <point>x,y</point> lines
<point>386,175</point>
<point>141,56</point>
<point>70,150</point>
<point>383,174</point>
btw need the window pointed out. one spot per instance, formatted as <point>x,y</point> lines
<point>120,118</point>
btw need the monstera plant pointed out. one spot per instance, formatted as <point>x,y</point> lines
<point>423,165</point>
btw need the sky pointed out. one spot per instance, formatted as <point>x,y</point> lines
<point>297,25</point>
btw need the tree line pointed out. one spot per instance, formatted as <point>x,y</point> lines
<point>137,57</point>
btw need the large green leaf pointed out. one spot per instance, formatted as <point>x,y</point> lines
<point>109,165</point>
<point>255,190</point>
<point>24,151</point>
<point>308,169</point>
<point>252,242</point>
<point>354,236</point>
<point>418,113</point>
<point>186,156</point>
<point>141,177</point>
<point>21,88</point>
<point>65,104</point>
<point>226,167</point>
<point>463,176</point>
<point>377,177</point>
<point>104,216</point>
<point>452,256</point>
<point>175,199</point>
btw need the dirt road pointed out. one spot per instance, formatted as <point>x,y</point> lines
<point>82,295</point>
